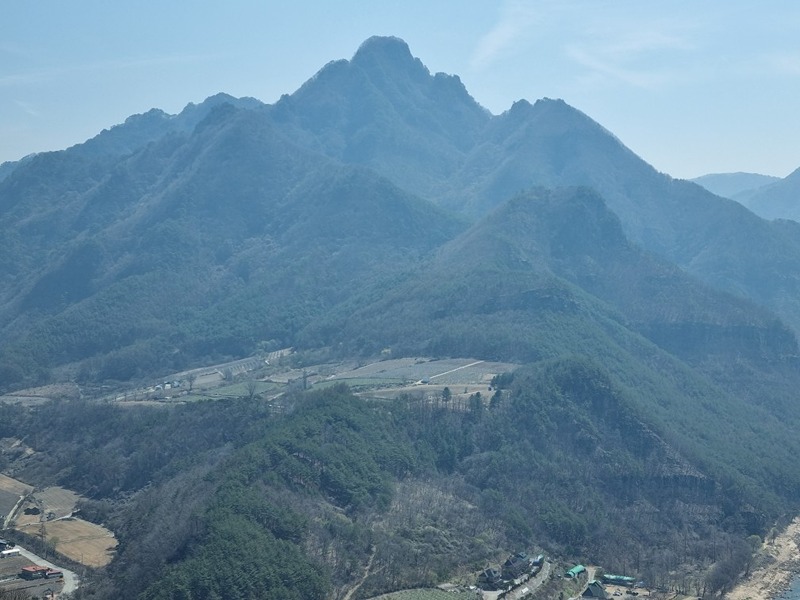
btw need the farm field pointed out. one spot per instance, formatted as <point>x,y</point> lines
<point>87,543</point>
<point>83,542</point>
<point>42,394</point>
<point>390,378</point>
<point>452,371</point>
<point>424,377</point>
<point>53,502</point>
<point>10,492</point>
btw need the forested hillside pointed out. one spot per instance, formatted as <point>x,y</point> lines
<point>239,500</point>
<point>379,211</point>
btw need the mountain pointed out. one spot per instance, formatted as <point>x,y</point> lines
<point>206,241</point>
<point>779,200</point>
<point>265,222</point>
<point>379,209</point>
<point>731,185</point>
<point>561,251</point>
<point>468,161</point>
<point>383,109</point>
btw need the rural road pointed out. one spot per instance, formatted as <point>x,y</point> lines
<point>529,587</point>
<point>472,364</point>
<point>71,580</point>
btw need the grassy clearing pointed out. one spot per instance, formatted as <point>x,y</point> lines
<point>83,542</point>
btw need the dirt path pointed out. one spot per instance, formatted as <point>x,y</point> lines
<point>472,364</point>
<point>770,581</point>
<point>367,571</point>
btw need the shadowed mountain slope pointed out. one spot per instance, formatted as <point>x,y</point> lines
<point>204,243</point>
<point>550,274</point>
<point>384,109</point>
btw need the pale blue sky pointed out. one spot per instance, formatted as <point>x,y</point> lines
<point>692,87</point>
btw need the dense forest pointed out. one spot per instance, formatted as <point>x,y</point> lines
<point>240,498</point>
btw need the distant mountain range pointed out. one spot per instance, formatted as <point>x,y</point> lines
<point>768,197</point>
<point>779,200</point>
<point>731,185</point>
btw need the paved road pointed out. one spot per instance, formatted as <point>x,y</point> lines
<point>71,580</point>
<point>529,587</point>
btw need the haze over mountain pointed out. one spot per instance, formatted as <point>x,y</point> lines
<point>550,144</point>
<point>779,200</point>
<point>380,210</point>
<point>730,185</point>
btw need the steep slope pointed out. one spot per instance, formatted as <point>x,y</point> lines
<point>384,109</point>
<point>780,200</point>
<point>573,233</point>
<point>37,203</point>
<point>559,260</point>
<point>204,243</point>
<point>550,275</point>
<point>552,144</point>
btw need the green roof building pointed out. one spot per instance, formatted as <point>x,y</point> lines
<point>575,571</point>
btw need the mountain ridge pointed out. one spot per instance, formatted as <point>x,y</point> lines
<point>778,200</point>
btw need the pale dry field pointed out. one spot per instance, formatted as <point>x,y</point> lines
<point>14,486</point>
<point>83,542</point>
<point>56,500</point>
<point>10,492</point>
<point>89,544</point>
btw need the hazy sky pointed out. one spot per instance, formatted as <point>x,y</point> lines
<point>692,87</point>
